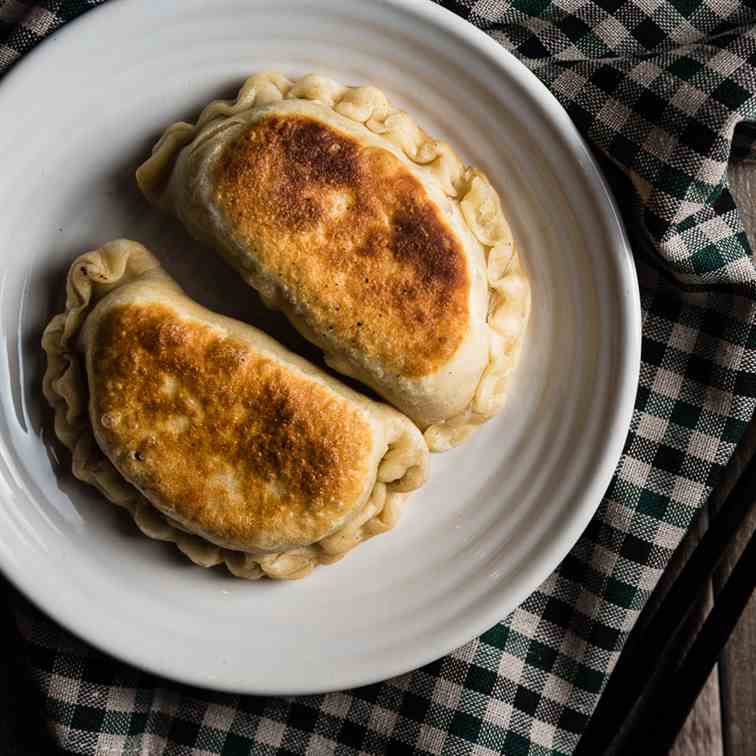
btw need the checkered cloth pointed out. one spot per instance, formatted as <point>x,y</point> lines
<point>663,91</point>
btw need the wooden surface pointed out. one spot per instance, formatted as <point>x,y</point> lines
<point>737,674</point>
<point>723,721</point>
<point>702,734</point>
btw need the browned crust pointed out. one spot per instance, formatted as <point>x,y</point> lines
<point>220,436</point>
<point>354,233</point>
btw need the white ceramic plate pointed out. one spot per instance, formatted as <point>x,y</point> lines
<point>497,515</point>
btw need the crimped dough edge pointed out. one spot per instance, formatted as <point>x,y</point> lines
<point>509,288</point>
<point>91,277</point>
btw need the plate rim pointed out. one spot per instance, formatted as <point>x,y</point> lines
<point>628,375</point>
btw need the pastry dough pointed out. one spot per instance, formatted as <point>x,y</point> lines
<point>374,239</point>
<point>212,434</point>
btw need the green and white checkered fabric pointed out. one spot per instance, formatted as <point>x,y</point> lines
<point>663,90</point>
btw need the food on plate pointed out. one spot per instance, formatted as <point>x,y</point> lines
<point>375,240</point>
<point>212,434</point>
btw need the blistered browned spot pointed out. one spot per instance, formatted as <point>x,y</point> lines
<point>354,233</point>
<point>220,435</point>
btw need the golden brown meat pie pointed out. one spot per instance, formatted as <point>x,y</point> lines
<point>374,239</point>
<point>212,434</point>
